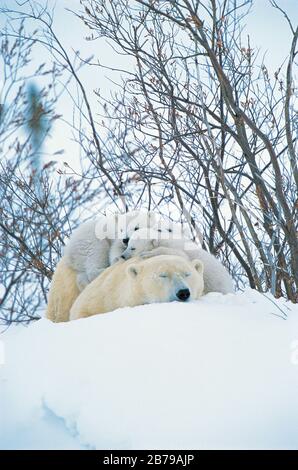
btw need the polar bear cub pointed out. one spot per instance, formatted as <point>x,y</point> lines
<point>150,242</point>
<point>164,278</point>
<point>98,243</point>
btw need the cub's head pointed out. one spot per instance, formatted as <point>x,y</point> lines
<point>141,240</point>
<point>166,278</point>
<point>169,230</point>
<point>131,222</point>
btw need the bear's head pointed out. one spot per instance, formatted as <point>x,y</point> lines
<point>146,239</point>
<point>133,221</point>
<point>166,278</point>
<point>141,240</point>
<point>167,229</point>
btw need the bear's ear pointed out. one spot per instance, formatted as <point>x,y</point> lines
<point>198,265</point>
<point>132,270</point>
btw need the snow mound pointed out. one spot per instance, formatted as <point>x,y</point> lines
<point>221,372</point>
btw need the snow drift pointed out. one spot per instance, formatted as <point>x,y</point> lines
<point>221,372</point>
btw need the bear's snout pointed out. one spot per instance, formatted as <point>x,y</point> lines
<point>125,240</point>
<point>183,295</point>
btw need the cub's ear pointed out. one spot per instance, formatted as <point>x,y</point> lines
<point>132,270</point>
<point>198,265</point>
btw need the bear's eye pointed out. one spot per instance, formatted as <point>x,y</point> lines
<point>170,230</point>
<point>132,249</point>
<point>187,274</point>
<point>137,228</point>
<point>163,275</point>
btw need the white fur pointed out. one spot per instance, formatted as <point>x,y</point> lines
<point>98,243</point>
<point>216,277</point>
<point>137,282</point>
<point>177,230</point>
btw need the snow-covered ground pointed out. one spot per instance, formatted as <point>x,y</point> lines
<point>221,372</point>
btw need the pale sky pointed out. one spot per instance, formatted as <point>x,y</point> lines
<point>267,27</point>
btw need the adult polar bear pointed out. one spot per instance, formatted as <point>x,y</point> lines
<point>136,282</point>
<point>63,292</point>
<point>150,242</point>
<point>90,250</point>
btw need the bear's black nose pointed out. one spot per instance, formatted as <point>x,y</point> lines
<point>183,294</point>
<point>125,241</point>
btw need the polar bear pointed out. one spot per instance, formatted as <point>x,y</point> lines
<point>63,292</point>
<point>148,243</point>
<point>136,282</point>
<point>98,243</point>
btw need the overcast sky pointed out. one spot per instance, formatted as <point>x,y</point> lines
<point>267,27</point>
